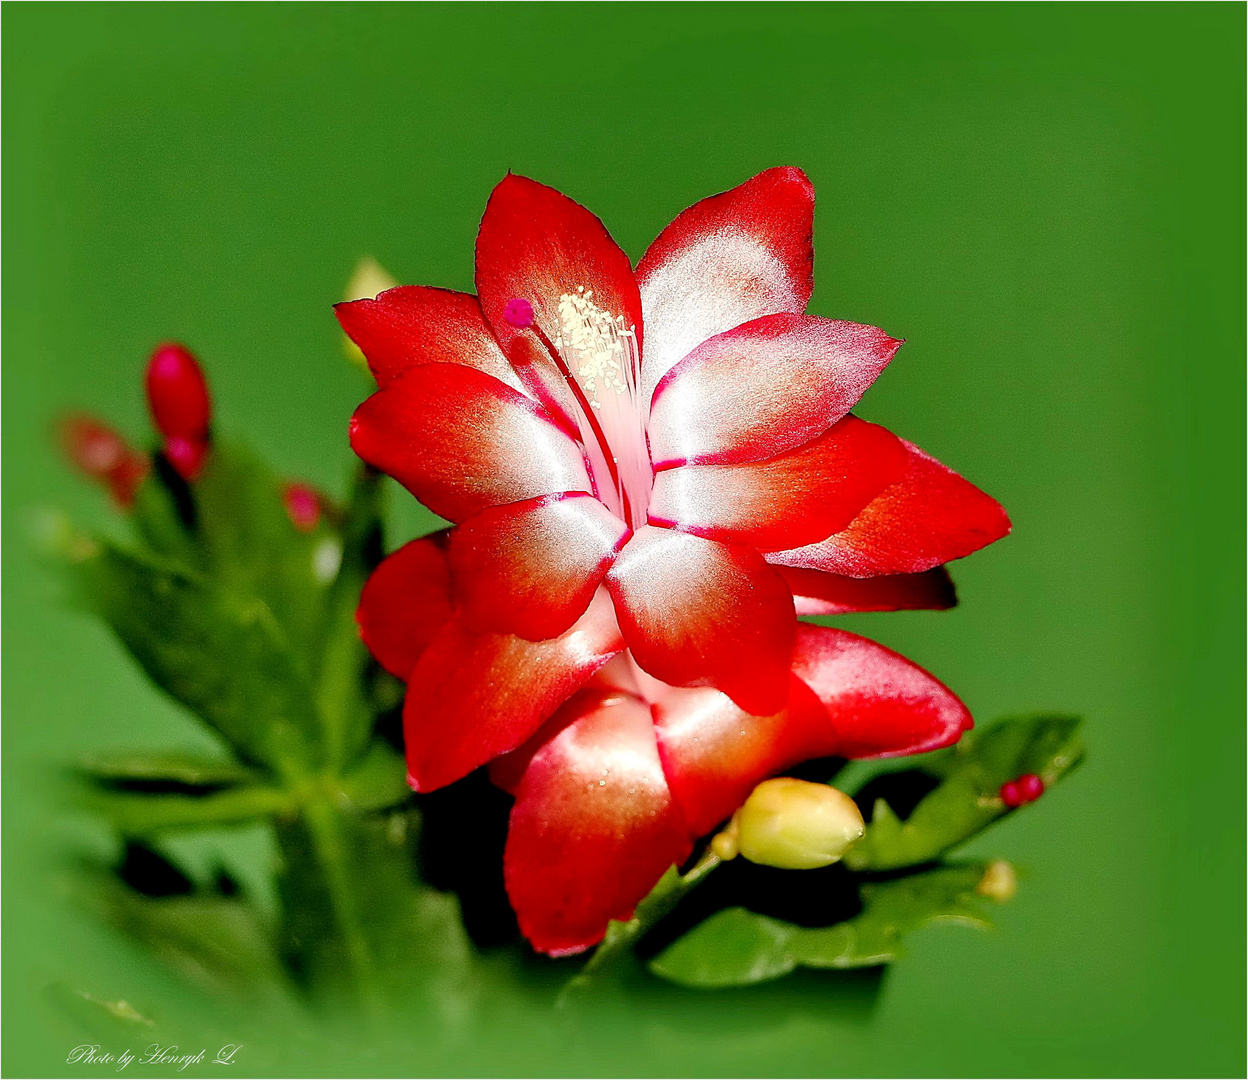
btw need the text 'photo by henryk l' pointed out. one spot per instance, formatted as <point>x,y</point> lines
<point>623,540</point>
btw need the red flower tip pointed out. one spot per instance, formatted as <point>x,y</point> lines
<point>178,394</point>
<point>1027,788</point>
<point>303,504</point>
<point>102,454</point>
<point>518,312</point>
<point>187,456</point>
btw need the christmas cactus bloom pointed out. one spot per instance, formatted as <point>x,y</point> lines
<point>651,473</point>
<point>624,772</point>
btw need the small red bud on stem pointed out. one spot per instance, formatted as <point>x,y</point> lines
<point>177,394</point>
<point>1025,789</point>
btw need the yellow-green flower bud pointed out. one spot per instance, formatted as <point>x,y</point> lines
<point>999,883</point>
<point>367,280</point>
<point>792,824</point>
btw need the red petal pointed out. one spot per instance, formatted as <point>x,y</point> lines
<point>474,696</point>
<point>405,603</point>
<point>531,568</point>
<point>713,753</point>
<point>726,260</point>
<point>931,516</point>
<point>699,613</point>
<point>619,675</point>
<point>594,826</point>
<point>880,704</point>
<point>763,388</point>
<point>817,593</point>
<point>414,325</point>
<point>536,244</point>
<point>807,493</point>
<point>461,441</point>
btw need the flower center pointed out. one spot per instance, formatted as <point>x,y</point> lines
<point>597,354</point>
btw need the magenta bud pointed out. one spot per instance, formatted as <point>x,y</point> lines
<point>1030,787</point>
<point>178,394</point>
<point>1022,790</point>
<point>1011,795</point>
<point>303,504</point>
<point>519,313</point>
<point>187,456</point>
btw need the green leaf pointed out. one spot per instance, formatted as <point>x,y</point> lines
<point>96,1016</point>
<point>614,960</point>
<point>252,549</point>
<point>736,947</point>
<point>967,800</point>
<point>342,692</point>
<point>378,780</point>
<point>222,657</point>
<point>162,513</point>
<point>133,770</point>
<point>134,813</point>
<point>356,922</point>
<point>217,942</point>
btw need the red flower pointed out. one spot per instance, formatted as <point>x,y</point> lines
<point>660,467</point>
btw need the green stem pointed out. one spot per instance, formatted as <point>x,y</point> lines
<point>343,658</point>
<point>330,849</point>
<point>623,936</point>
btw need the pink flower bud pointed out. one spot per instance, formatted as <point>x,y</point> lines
<point>102,454</point>
<point>1030,786</point>
<point>187,456</point>
<point>1022,790</point>
<point>303,504</point>
<point>178,395</point>
<point>94,447</point>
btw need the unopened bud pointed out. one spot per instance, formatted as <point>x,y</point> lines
<point>368,279</point>
<point>1027,788</point>
<point>793,825</point>
<point>303,505</point>
<point>178,394</point>
<point>102,454</point>
<point>187,456</point>
<point>92,446</point>
<point>999,882</point>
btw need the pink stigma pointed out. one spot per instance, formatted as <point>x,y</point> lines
<point>518,312</point>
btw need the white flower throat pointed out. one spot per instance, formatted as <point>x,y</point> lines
<point>600,352</point>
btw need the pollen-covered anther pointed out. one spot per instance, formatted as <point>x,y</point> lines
<point>596,344</point>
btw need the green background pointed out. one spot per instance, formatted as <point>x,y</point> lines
<point>1046,201</point>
